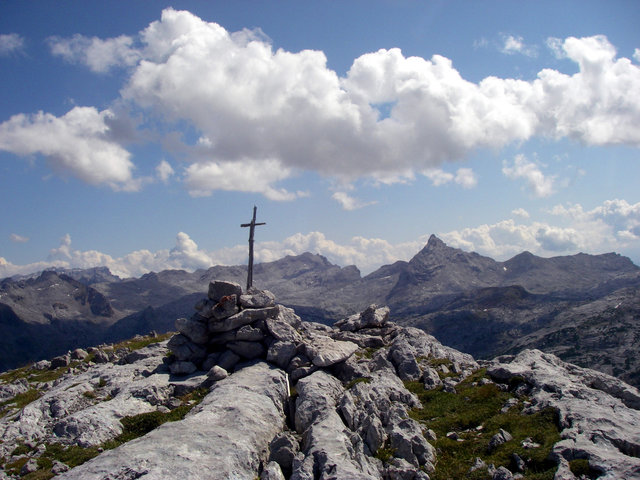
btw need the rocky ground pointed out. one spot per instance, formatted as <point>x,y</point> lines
<point>248,390</point>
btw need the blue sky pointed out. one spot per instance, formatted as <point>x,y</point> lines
<point>139,135</point>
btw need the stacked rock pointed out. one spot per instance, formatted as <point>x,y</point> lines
<point>230,326</point>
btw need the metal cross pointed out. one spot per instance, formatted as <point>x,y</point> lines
<point>251,226</point>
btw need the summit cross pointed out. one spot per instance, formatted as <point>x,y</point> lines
<point>252,227</point>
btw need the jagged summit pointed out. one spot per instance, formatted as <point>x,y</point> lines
<point>278,397</point>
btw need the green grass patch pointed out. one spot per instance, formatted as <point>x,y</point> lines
<point>385,454</point>
<point>366,352</point>
<point>141,342</point>
<point>479,406</point>
<point>20,400</point>
<point>14,468</point>
<point>355,381</point>
<point>580,468</point>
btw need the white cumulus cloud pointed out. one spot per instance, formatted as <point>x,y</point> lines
<point>165,171</point>
<point>512,44</point>
<point>539,184</point>
<point>18,238</point>
<point>77,144</point>
<point>272,114</point>
<point>11,43</point>
<point>348,202</point>
<point>99,55</point>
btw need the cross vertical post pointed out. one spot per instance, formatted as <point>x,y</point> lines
<point>252,225</point>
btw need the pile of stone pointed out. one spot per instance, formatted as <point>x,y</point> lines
<point>230,327</point>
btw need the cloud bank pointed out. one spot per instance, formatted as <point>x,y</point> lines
<point>612,226</point>
<point>273,114</point>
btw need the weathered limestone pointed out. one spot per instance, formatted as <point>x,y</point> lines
<point>599,414</point>
<point>226,436</point>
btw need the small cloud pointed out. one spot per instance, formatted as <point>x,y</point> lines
<point>538,183</point>
<point>463,177</point>
<point>438,177</point>
<point>466,178</point>
<point>520,212</point>
<point>480,43</point>
<point>97,54</point>
<point>63,252</point>
<point>636,55</point>
<point>18,238</point>
<point>164,171</point>
<point>515,44</point>
<point>350,203</point>
<point>556,46</point>
<point>11,43</point>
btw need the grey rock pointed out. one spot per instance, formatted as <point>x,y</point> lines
<point>219,289</point>
<point>282,330</point>
<point>59,467</point>
<point>283,449</point>
<point>502,473</point>
<point>42,365</point>
<point>186,350</point>
<point>242,318</point>
<point>499,438</point>
<point>324,351</point>
<point>249,334</point>
<point>196,331</point>
<point>248,350</point>
<point>302,372</point>
<point>431,379</point>
<point>449,385</point>
<point>225,308</point>
<point>400,469</point>
<point>228,360</point>
<point>210,361</point>
<point>10,390</point>
<point>598,413</point>
<point>372,316</point>
<point>519,462</point>
<point>403,357</point>
<point>182,368</point>
<point>317,394</point>
<point>100,357</point>
<point>79,354</point>
<point>29,467</point>
<point>223,437</point>
<point>217,373</point>
<point>255,298</point>
<point>272,472</point>
<point>409,443</point>
<point>281,353</point>
<point>61,361</point>
<point>478,464</point>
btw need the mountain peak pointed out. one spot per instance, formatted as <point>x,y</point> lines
<point>435,242</point>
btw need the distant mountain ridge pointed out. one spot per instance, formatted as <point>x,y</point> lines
<point>582,307</point>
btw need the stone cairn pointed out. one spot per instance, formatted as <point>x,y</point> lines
<point>230,327</point>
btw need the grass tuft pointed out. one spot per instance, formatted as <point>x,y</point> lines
<point>474,414</point>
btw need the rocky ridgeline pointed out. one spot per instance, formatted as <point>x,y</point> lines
<point>289,399</point>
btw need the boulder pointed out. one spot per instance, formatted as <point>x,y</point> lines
<point>226,307</point>
<point>255,298</point>
<point>79,354</point>
<point>249,350</point>
<point>324,351</point>
<point>281,353</point>
<point>60,361</point>
<point>272,472</point>
<point>244,317</point>
<point>217,373</point>
<point>219,289</point>
<point>186,350</point>
<point>195,330</point>
<point>283,449</point>
<point>182,368</point>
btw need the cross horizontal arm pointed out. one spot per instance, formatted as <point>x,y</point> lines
<point>254,224</point>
